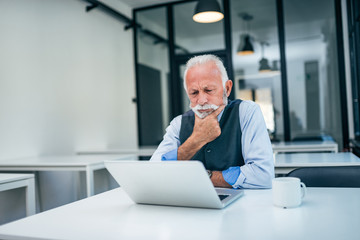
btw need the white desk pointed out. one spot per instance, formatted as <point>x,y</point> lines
<point>87,163</point>
<point>286,162</point>
<point>299,146</point>
<point>326,213</point>
<point>12,181</point>
<point>305,146</point>
<point>140,152</point>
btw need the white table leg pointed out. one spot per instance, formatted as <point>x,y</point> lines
<point>30,197</point>
<point>29,185</point>
<point>89,181</point>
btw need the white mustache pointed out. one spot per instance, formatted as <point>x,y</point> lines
<point>204,107</point>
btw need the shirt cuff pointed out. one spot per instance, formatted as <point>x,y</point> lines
<point>170,156</point>
<point>231,175</point>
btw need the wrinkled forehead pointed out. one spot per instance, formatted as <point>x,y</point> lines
<point>203,70</point>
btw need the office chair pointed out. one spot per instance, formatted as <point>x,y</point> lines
<point>344,176</point>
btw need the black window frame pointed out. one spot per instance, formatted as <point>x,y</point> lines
<point>176,100</point>
<point>353,17</point>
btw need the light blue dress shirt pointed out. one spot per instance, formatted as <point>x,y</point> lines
<point>258,170</point>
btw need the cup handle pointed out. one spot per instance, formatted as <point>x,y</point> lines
<point>303,189</point>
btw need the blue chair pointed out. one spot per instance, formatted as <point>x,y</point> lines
<point>347,176</point>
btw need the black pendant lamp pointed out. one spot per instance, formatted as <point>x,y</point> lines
<point>264,63</point>
<point>245,46</point>
<point>275,67</point>
<point>207,11</point>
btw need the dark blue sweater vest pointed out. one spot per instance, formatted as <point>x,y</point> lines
<point>223,152</point>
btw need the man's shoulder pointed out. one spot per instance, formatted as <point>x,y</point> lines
<point>176,122</point>
<point>243,103</point>
<point>247,109</point>
<point>248,105</point>
<point>177,118</point>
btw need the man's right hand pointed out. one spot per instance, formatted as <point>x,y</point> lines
<point>205,130</point>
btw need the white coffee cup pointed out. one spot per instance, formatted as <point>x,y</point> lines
<point>288,191</point>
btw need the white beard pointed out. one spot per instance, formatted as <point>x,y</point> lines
<point>198,107</point>
<point>213,107</point>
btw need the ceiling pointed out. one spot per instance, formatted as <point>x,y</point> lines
<point>143,3</point>
<point>264,23</point>
<point>303,25</point>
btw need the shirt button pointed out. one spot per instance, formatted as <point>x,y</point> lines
<point>209,150</point>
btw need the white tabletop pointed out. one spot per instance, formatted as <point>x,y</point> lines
<point>88,163</point>
<point>326,213</point>
<point>304,143</point>
<point>63,160</point>
<point>11,177</point>
<point>143,151</point>
<point>316,159</point>
<point>286,162</point>
<point>305,146</point>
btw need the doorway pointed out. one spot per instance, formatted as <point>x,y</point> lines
<point>150,106</point>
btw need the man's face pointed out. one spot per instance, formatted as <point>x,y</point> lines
<point>205,89</point>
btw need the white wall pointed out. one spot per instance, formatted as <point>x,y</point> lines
<point>66,79</point>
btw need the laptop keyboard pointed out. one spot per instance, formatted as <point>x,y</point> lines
<point>222,197</point>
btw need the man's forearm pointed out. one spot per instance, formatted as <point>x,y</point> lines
<point>218,180</point>
<point>189,148</point>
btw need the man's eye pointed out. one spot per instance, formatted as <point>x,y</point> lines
<point>208,90</point>
<point>193,93</point>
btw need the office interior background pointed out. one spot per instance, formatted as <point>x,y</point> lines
<point>73,79</point>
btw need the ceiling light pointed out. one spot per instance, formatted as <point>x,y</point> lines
<point>245,46</point>
<point>207,11</point>
<point>275,67</point>
<point>264,63</point>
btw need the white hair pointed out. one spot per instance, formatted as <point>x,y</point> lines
<point>202,59</point>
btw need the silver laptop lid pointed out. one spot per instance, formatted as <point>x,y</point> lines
<point>175,183</point>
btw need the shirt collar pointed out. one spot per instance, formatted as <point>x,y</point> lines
<point>220,114</point>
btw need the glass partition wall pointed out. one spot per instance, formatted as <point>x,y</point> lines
<point>152,72</point>
<point>257,74</point>
<point>312,110</point>
<point>312,70</point>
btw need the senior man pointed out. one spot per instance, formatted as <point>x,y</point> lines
<point>229,138</point>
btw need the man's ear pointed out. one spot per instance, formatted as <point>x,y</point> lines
<point>228,87</point>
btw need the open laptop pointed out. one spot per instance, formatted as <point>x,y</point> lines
<point>173,183</point>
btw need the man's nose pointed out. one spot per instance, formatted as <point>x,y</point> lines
<point>202,99</point>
